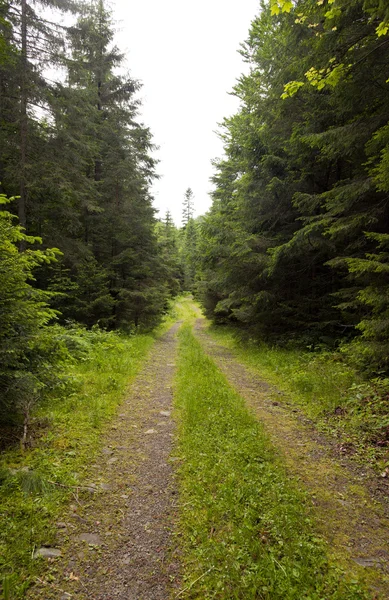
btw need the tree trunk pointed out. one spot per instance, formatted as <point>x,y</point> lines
<point>23,122</point>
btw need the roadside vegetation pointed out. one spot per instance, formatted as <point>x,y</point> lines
<point>328,390</point>
<point>246,527</point>
<point>38,481</point>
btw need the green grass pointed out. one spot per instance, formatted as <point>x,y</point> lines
<point>246,530</point>
<point>318,381</point>
<point>327,389</point>
<point>182,308</point>
<point>36,485</point>
<point>185,309</point>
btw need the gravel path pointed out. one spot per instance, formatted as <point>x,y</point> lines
<point>345,498</point>
<point>117,541</point>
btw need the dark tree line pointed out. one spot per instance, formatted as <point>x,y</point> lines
<point>295,246</point>
<point>75,154</point>
<point>75,160</point>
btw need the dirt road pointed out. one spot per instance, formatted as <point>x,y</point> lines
<point>349,507</point>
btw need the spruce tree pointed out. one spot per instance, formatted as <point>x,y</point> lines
<point>187,206</point>
<point>38,45</point>
<point>113,173</point>
<point>304,175</point>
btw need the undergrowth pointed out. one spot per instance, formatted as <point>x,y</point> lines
<point>328,390</point>
<point>36,483</point>
<point>246,528</point>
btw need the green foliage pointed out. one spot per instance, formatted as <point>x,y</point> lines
<point>304,178</point>
<point>371,352</point>
<point>168,238</point>
<point>29,351</point>
<point>278,6</point>
<point>84,168</point>
<point>189,254</point>
<point>85,297</point>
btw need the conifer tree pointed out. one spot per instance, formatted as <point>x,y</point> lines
<point>187,206</point>
<point>107,170</point>
<point>304,176</point>
<point>189,254</point>
<point>38,44</point>
<point>169,252</point>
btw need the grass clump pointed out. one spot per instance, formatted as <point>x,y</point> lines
<point>36,484</point>
<point>246,530</point>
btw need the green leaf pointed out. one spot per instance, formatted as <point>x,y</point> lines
<point>277,6</point>
<point>382,28</point>
<point>291,88</point>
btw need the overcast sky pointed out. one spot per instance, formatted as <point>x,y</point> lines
<point>185,54</point>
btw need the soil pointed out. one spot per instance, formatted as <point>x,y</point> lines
<point>349,504</point>
<point>117,540</point>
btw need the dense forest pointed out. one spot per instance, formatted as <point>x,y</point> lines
<point>80,243</point>
<point>147,451</point>
<point>294,249</point>
<point>295,246</point>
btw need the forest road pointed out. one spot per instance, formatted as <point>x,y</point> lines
<point>116,542</point>
<point>350,506</point>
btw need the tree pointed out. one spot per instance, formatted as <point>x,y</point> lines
<point>113,173</point>
<point>187,207</point>
<point>27,352</point>
<point>189,255</point>
<point>302,180</point>
<point>35,44</point>
<point>169,253</point>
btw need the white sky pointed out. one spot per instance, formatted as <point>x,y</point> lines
<point>185,54</point>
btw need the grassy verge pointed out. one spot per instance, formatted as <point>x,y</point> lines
<point>246,528</point>
<point>36,484</point>
<point>329,392</point>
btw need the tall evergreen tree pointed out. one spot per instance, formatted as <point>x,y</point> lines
<point>38,44</point>
<point>189,256</point>
<point>169,252</point>
<point>113,171</point>
<point>187,206</point>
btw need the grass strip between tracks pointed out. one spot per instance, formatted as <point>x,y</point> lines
<point>246,528</point>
